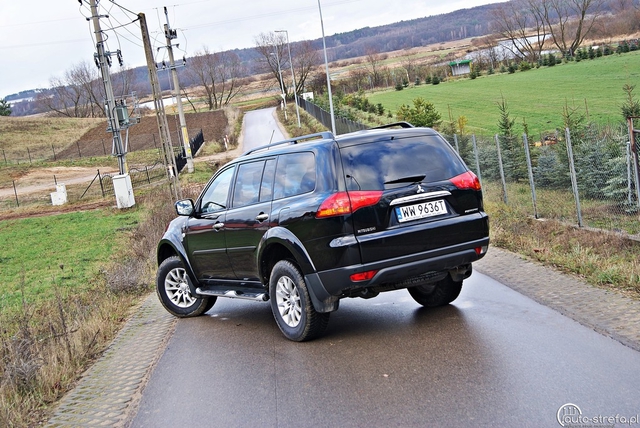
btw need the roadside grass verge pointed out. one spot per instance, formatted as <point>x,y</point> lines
<point>593,87</point>
<point>603,259</point>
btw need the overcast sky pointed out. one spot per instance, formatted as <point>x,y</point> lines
<point>42,39</point>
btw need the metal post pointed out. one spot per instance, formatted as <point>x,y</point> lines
<point>530,169</point>
<point>504,181</point>
<point>574,178</point>
<point>634,154</point>
<point>170,35</point>
<point>326,65</point>
<point>15,192</point>
<point>103,63</point>
<point>455,140</point>
<point>475,151</point>
<point>165,137</point>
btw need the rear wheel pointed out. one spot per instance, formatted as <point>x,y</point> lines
<point>441,293</point>
<point>291,306</point>
<point>172,286</point>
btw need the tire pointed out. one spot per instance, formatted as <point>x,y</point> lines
<point>172,287</point>
<point>291,306</point>
<point>442,293</point>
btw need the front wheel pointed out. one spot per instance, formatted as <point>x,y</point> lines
<point>172,286</point>
<point>441,293</point>
<point>291,306</point>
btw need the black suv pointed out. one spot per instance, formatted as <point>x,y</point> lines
<point>308,221</point>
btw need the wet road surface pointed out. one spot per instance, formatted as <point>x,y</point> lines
<point>492,358</point>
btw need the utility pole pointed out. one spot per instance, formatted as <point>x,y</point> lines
<point>168,159</point>
<point>115,115</point>
<point>170,35</point>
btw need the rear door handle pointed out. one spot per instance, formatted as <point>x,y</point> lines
<point>262,217</point>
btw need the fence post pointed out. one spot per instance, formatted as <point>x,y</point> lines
<point>29,153</point>
<point>574,178</point>
<point>455,140</point>
<point>504,181</point>
<point>475,151</point>
<point>54,152</point>
<point>4,155</point>
<point>79,153</point>
<point>104,149</point>
<point>101,185</point>
<point>530,170</point>
<point>15,192</point>
<point>146,170</point>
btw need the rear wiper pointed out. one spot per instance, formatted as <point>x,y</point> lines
<point>409,179</point>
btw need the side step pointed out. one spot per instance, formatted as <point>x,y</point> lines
<point>247,294</point>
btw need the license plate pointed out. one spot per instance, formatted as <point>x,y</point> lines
<point>421,210</point>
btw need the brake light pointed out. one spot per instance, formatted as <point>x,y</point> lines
<point>467,180</point>
<point>363,276</point>
<point>342,203</point>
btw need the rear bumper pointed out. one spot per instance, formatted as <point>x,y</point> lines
<point>328,286</point>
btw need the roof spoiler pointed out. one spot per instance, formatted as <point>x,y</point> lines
<point>395,124</point>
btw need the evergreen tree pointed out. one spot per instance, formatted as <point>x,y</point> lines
<point>5,108</point>
<point>513,156</point>
<point>423,113</point>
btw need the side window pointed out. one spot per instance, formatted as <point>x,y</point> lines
<point>266,188</point>
<point>247,188</point>
<point>215,197</point>
<point>295,174</point>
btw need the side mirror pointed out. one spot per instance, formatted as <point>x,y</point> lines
<point>185,207</point>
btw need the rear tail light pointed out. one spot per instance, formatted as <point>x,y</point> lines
<point>347,202</point>
<point>467,180</point>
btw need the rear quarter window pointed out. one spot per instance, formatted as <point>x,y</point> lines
<point>295,175</point>
<point>369,166</point>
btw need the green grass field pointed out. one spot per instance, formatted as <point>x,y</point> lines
<point>594,87</point>
<point>65,250</point>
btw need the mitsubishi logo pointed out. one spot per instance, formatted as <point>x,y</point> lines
<point>420,189</point>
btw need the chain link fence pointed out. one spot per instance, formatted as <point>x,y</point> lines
<point>588,178</point>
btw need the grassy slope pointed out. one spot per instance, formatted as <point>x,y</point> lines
<point>537,96</point>
<point>66,249</point>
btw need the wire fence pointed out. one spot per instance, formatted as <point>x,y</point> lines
<point>587,179</point>
<point>58,193</point>
<point>343,125</point>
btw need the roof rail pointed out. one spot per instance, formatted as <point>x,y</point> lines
<point>296,140</point>
<point>391,125</point>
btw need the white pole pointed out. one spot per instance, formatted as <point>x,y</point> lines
<point>326,65</point>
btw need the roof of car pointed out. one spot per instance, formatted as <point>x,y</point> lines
<point>344,140</point>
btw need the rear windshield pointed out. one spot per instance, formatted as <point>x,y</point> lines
<point>395,163</point>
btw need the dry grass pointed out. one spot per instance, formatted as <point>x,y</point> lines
<point>45,346</point>
<point>42,133</point>
<point>603,259</point>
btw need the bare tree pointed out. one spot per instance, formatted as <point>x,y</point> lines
<point>220,75</point>
<point>520,22</point>
<point>569,21</point>
<point>374,66</point>
<point>80,92</point>
<point>73,95</point>
<point>274,59</point>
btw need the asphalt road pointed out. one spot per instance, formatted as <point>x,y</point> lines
<point>260,127</point>
<point>493,358</point>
